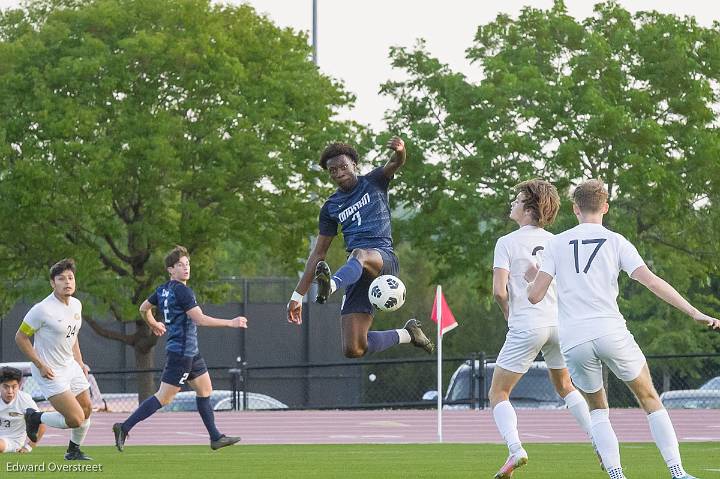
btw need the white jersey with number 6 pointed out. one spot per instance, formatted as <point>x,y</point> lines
<point>586,262</point>
<point>56,326</point>
<point>516,252</point>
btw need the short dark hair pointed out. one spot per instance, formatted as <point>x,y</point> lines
<point>61,266</point>
<point>10,374</point>
<point>175,255</point>
<point>337,149</point>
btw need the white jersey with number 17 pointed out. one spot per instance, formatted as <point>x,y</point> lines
<point>586,262</point>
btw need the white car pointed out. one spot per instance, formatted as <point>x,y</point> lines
<point>706,396</point>
<point>534,390</point>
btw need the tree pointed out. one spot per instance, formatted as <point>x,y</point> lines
<point>129,126</point>
<point>630,99</point>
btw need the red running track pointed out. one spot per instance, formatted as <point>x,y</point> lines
<point>383,426</point>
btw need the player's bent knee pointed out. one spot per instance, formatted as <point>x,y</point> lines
<point>74,421</point>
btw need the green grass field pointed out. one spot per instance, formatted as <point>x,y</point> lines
<point>446,461</point>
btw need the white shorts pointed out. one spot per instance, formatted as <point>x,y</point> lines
<point>522,347</point>
<point>70,378</point>
<point>12,444</point>
<point>618,351</point>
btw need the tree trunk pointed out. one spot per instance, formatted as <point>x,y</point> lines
<point>143,342</point>
<point>144,359</point>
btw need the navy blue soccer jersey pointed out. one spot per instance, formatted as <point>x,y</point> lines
<point>363,213</point>
<point>174,300</point>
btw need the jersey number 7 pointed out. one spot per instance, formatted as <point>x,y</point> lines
<point>599,242</point>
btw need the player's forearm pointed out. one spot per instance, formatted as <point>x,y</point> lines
<point>502,301</point>
<point>25,346</point>
<point>663,290</point>
<point>210,322</point>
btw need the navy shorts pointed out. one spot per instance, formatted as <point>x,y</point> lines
<point>179,368</point>
<point>356,295</point>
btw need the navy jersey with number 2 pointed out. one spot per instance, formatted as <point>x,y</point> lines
<point>173,299</point>
<point>363,213</point>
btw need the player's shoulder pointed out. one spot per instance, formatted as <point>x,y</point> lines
<point>75,303</point>
<point>24,397</point>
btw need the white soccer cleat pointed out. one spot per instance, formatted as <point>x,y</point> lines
<point>513,462</point>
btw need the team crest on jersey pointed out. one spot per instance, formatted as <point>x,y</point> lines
<point>76,317</point>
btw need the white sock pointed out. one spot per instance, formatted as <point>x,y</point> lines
<point>664,436</point>
<point>404,336</point>
<point>506,421</point>
<point>616,473</point>
<point>77,435</point>
<point>605,440</point>
<point>577,406</point>
<point>54,419</point>
<point>333,286</point>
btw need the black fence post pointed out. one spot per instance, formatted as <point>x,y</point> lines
<point>245,378</point>
<point>473,380</point>
<point>236,379</point>
<point>481,368</point>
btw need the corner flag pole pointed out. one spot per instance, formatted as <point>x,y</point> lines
<point>438,312</point>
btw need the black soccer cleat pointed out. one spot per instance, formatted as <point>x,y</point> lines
<point>120,436</point>
<point>77,455</point>
<point>32,423</point>
<point>417,337</point>
<point>322,278</point>
<point>223,441</point>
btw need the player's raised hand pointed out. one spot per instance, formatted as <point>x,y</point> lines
<point>238,322</point>
<point>396,144</point>
<point>707,320</point>
<point>294,312</point>
<point>157,328</point>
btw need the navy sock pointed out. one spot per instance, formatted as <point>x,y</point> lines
<point>381,340</point>
<point>348,273</point>
<point>144,411</point>
<point>208,417</point>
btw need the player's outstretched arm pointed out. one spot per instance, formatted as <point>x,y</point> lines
<point>500,292</point>
<point>201,319</point>
<point>294,306</point>
<point>663,290</point>
<point>397,160</point>
<point>155,326</point>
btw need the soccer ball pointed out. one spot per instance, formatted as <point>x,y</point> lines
<point>387,293</point>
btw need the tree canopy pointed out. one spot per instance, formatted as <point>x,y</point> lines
<point>129,126</point>
<point>630,99</point>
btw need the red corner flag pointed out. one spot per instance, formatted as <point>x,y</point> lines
<point>447,320</point>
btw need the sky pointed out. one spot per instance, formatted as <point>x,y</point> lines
<point>355,36</point>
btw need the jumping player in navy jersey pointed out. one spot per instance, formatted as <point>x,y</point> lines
<point>184,363</point>
<point>360,207</point>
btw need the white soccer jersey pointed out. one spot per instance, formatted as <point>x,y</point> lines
<point>586,261</point>
<point>516,252</point>
<point>12,422</point>
<point>56,327</point>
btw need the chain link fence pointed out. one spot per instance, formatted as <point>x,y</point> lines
<point>684,381</point>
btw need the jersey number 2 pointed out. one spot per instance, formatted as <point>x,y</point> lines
<point>599,242</point>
